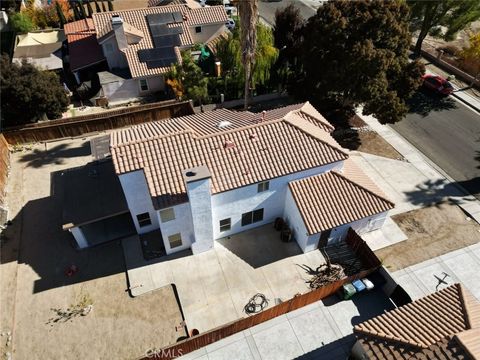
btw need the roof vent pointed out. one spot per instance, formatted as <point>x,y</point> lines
<point>190,173</point>
<point>252,136</point>
<point>263,115</point>
<point>224,124</point>
<point>228,144</point>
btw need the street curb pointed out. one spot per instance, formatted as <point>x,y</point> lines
<point>466,103</point>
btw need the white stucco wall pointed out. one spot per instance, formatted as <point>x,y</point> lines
<point>79,237</point>
<point>207,32</point>
<point>232,204</point>
<point>129,89</point>
<point>182,224</point>
<point>116,59</point>
<point>138,199</point>
<point>294,220</point>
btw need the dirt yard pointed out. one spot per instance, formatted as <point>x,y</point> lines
<point>431,231</point>
<point>40,305</point>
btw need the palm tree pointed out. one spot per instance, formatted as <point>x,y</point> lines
<point>248,27</point>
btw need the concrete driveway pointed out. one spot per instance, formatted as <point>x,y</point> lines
<point>214,286</point>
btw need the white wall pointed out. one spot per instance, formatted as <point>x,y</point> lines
<point>232,204</point>
<point>294,220</point>
<point>79,237</point>
<point>207,32</point>
<point>116,59</point>
<point>129,89</point>
<point>182,224</point>
<point>138,198</point>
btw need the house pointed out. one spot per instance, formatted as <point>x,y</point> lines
<point>140,45</point>
<point>442,325</point>
<point>202,177</point>
<point>84,52</point>
<point>41,48</point>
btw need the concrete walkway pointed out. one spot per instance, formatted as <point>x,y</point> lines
<point>461,266</point>
<point>322,330</point>
<point>438,181</point>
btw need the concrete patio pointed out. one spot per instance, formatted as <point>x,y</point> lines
<point>322,330</point>
<point>214,286</point>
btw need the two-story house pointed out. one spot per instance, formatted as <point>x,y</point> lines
<point>202,177</point>
<point>140,45</point>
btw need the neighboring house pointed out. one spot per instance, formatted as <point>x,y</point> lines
<point>41,48</point>
<point>140,45</point>
<point>198,178</point>
<point>443,325</point>
<point>84,52</point>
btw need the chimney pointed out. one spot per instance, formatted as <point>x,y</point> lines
<point>263,115</point>
<point>117,26</point>
<point>198,183</point>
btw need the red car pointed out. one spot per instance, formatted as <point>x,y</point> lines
<point>437,84</point>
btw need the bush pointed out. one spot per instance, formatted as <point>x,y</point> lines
<point>451,50</point>
<point>21,23</point>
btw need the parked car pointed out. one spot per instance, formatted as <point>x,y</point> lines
<point>230,24</point>
<point>438,84</point>
<point>230,10</point>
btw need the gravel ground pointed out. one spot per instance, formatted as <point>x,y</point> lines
<point>36,294</point>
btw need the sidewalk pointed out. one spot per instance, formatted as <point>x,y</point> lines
<point>467,202</point>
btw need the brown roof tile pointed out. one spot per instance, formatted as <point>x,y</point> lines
<point>137,19</point>
<point>260,150</point>
<point>425,328</point>
<point>332,199</point>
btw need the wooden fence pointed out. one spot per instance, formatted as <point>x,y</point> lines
<point>358,245</point>
<point>4,166</point>
<point>107,120</point>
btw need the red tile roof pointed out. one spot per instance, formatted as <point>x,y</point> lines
<point>335,198</point>
<point>433,327</point>
<point>83,47</point>
<point>137,19</point>
<point>261,150</point>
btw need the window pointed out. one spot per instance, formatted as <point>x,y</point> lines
<point>225,224</point>
<point>175,240</point>
<point>143,84</point>
<point>144,219</point>
<point>198,29</point>
<point>252,217</point>
<point>167,215</point>
<point>263,186</point>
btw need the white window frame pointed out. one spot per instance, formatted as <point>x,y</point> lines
<point>263,186</point>
<point>141,86</point>
<point>167,215</point>
<point>174,239</point>
<point>147,221</point>
<point>251,215</point>
<point>228,223</point>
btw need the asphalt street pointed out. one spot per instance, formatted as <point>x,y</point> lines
<point>267,9</point>
<point>448,133</point>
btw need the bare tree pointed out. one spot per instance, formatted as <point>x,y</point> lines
<point>248,10</point>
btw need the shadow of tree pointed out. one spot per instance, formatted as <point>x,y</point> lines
<point>55,155</point>
<point>434,192</point>
<point>424,101</point>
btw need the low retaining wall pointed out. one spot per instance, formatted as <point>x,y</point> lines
<point>80,125</point>
<point>360,248</point>
<point>4,168</point>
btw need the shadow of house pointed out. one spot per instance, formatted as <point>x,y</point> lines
<point>55,155</point>
<point>424,101</point>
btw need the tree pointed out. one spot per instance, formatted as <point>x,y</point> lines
<point>471,54</point>
<point>287,32</point>
<point>442,18</point>
<point>248,10</point>
<point>21,23</point>
<point>27,93</point>
<point>356,53</point>
<point>187,80</point>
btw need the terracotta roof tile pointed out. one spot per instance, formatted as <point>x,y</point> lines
<point>137,19</point>
<point>259,150</point>
<point>332,199</point>
<point>425,328</point>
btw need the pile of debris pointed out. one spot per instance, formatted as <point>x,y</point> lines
<point>324,274</point>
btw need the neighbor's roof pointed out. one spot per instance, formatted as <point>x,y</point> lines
<point>41,48</point>
<point>335,198</point>
<point>83,46</point>
<point>434,327</point>
<point>137,19</point>
<point>259,150</point>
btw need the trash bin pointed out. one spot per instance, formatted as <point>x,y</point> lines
<point>348,291</point>
<point>359,285</point>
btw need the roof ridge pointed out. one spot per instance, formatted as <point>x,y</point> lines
<point>383,336</point>
<point>363,187</point>
<point>469,303</point>
<point>155,137</point>
<point>308,106</point>
<point>239,129</point>
<point>304,124</point>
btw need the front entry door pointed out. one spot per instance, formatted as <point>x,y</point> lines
<point>324,238</point>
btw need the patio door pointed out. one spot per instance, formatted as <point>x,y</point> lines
<point>324,238</point>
